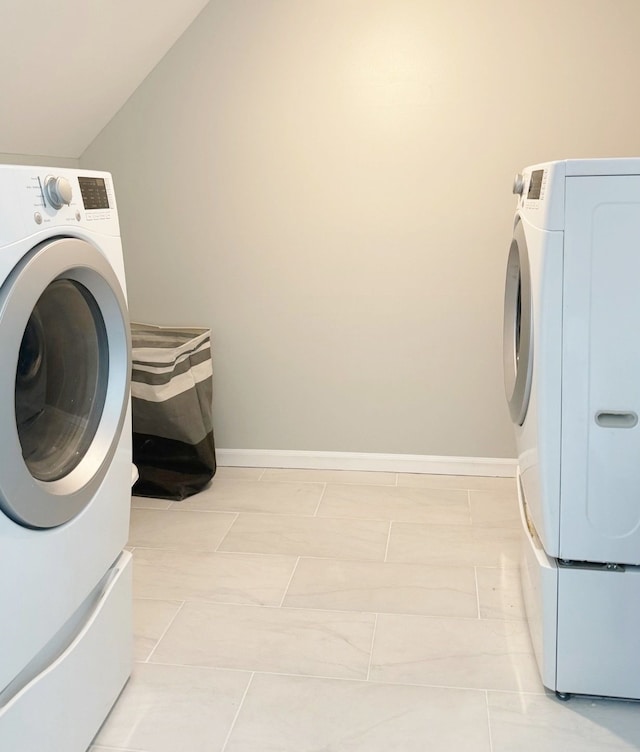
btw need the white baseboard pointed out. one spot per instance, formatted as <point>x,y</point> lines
<point>394,463</point>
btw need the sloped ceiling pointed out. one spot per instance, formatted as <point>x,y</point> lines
<point>68,66</point>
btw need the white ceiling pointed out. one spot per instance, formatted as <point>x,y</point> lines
<point>68,66</point>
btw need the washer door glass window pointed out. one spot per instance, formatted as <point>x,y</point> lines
<point>65,384</point>
<point>61,379</point>
<point>518,339</point>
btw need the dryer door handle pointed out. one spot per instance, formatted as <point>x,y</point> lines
<point>616,419</point>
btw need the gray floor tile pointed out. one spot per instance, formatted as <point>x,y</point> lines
<point>313,654</point>
<point>191,531</point>
<point>294,641</point>
<point>383,587</point>
<point>234,495</point>
<point>436,506</point>
<point>530,723</point>
<point>468,653</point>
<point>500,593</point>
<point>143,502</point>
<point>150,620</point>
<point>295,714</point>
<point>220,577</point>
<point>242,473</point>
<point>331,476</point>
<point>416,480</point>
<point>495,508</point>
<point>307,536</point>
<point>454,545</point>
<point>169,708</point>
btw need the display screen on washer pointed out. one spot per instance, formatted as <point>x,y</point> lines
<point>535,186</point>
<point>94,193</point>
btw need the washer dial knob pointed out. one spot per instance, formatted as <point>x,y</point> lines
<point>58,191</point>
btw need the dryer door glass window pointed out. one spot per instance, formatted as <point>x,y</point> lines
<point>61,379</point>
<point>518,339</point>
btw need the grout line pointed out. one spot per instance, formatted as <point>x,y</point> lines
<point>397,483</point>
<point>386,550</point>
<point>318,479</point>
<point>341,518</point>
<point>373,637</point>
<point>352,559</point>
<point>224,537</point>
<point>165,632</point>
<point>334,481</point>
<point>315,513</point>
<point>202,551</point>
<point>157,508</point>
<point>184,509</point>
<point>235,717</point>
<point>475,577</point>
<point>262,672</point>
<point>260,481</point>
<point>334,611</point>
<point>242,511</point>
<point>174,601</point>
<point>486,694</point>
<point>284,595</point>
<point>513,567</point>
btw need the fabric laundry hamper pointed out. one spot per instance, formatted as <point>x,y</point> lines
<point>171,404</point>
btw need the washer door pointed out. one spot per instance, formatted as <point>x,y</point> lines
<point>64,384</point>
<point>518,322</point>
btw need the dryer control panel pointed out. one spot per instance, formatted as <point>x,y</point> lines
<point>541,195</point>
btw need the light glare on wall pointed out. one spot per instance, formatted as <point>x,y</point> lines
<point>391,68</point>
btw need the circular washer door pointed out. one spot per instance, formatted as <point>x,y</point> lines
<point>518,323</point>
<point>64,384</point>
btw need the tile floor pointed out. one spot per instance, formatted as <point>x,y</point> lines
<point>321,611</point>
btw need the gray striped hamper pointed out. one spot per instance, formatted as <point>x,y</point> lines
<point>172,413</point>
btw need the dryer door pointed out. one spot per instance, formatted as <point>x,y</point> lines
<point>64,384</point>
<point>518,323</point>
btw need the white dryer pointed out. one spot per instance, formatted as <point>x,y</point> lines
<point>572,369</point>
<point>65,458</point>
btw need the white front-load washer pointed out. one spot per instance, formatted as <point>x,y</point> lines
<point>572,368</point>
<point>65,458</point>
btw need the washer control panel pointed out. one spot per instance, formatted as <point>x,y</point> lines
<point>63,200</point>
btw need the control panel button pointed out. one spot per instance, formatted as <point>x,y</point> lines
<point>37,218</point>
<point>57,191</point>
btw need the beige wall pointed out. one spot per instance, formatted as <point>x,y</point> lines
<point>38,159</point>
<point>327,184</point>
